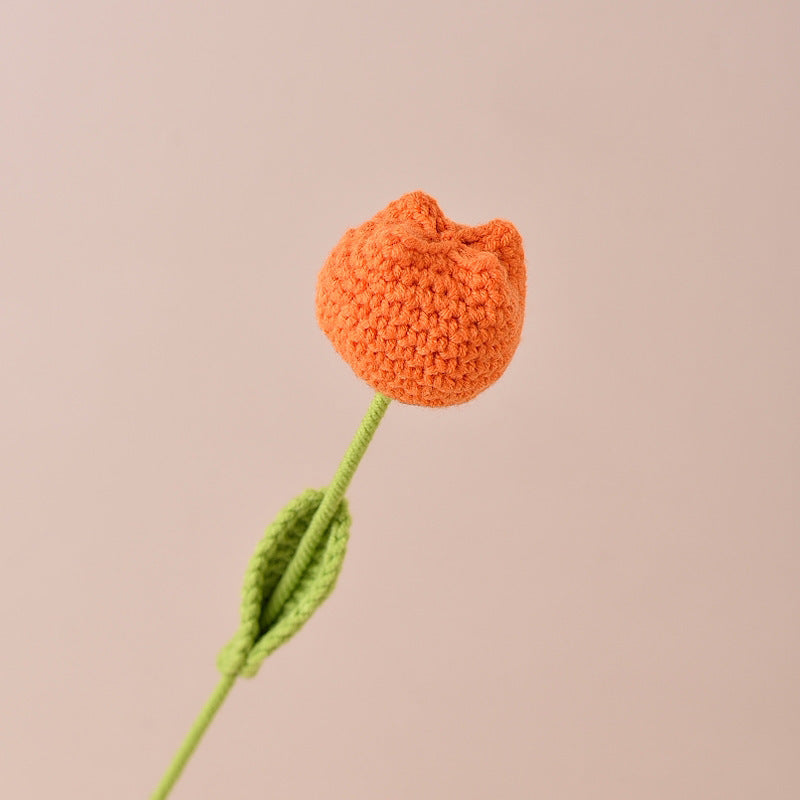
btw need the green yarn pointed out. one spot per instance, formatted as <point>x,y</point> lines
<point>294,568</point>
<point>277,553</point>
<point>193,737</point>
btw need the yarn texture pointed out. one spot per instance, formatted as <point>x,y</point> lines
<point>425,310</point>
<point>258,635</point>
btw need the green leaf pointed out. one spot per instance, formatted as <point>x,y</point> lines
<point>256,638</point>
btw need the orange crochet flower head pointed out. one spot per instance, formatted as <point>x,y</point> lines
<point>425,310</point>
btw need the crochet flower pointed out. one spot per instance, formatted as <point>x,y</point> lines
<point>425,310</point>
<point>428,312</point>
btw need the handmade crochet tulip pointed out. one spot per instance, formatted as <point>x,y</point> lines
<point>428,312</point>
<point>425,310</point>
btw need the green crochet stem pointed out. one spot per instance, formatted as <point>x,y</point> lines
<point>193,737</point>
<point>324,514</point>
<point>303,583</point>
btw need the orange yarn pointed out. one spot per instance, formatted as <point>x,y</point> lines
<point>425,310</point>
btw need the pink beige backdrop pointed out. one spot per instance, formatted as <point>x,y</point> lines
<point>584,584</point>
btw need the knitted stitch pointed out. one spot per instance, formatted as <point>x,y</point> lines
<point>425,310</point>
<point>258,635</point>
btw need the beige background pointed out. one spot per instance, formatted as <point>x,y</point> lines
<point>582,585</point>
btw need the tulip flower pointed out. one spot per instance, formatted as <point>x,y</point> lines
<point>426,311</point>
